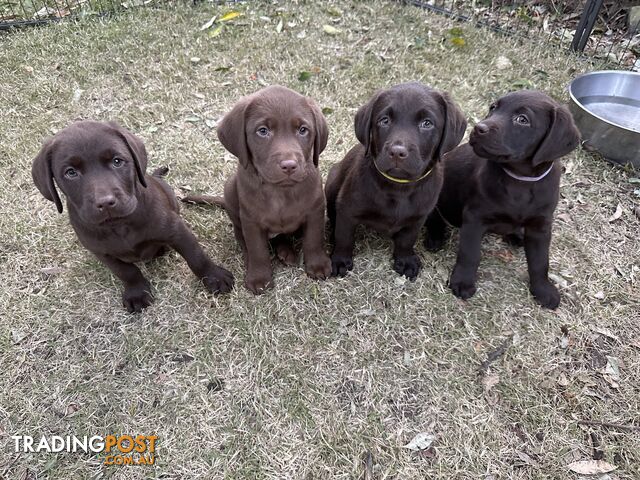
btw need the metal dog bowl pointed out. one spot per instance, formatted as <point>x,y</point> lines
<point>606,108</point>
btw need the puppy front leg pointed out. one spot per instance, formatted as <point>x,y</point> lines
<point>137,290</point>
<point>537,239</point>
<point>215,278</point>
<point>463,277</point>
<point>405,260</point>
<point>259,274</point>
<point>342,256</point>
<point>316,261</point>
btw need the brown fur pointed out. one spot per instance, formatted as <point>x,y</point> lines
<point>120,214</point>
<point>404,130</point>
<point>276,193</point>
<point>525,132</point>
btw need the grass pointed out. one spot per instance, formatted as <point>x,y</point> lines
<point>312,379</point>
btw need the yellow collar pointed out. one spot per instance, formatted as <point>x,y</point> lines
<point>400,180</point>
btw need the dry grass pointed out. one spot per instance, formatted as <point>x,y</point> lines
<point>314,374</point>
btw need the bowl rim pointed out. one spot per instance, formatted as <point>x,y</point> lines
<point>581,106</point>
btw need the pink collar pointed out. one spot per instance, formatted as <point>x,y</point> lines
<point>527,179</point>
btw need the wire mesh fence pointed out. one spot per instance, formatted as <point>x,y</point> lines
<point>603,30</point>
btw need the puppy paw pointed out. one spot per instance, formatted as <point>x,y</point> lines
<point>318,267</point>
<point>257,283</point>
<point>433,244</point>
<point>218,280</point>
<point>408,266</point>
<point>461,286</point>
<point>286,254</point>
<point>136,298</point>
<point>546,294</point>
<point>340,265</point>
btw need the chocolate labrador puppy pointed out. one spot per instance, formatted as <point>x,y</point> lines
<point>277,135</point>
<point>506,181</point>
<point>390,182</point>
<point>120,214</point>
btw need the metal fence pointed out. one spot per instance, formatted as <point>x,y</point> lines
<point>597,28</point>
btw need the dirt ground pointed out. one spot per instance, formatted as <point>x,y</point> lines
<point>313,380</point>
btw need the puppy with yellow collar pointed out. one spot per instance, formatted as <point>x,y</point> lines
<point>390,182</point>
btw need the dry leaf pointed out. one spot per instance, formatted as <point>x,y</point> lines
<point>329,30</point>
<point>52,270</point>
<point>591,467</point>
<point>229,16</point>
<point>209,24</point>
<point>490,380</point>
<point>421,441</point>
<point>617,214</point>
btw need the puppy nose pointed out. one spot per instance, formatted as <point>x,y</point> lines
<point>398,152</point>
<point>288,166</point>
<point>106,202</point>
<point>481,128</point>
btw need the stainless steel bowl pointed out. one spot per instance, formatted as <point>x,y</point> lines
<point>606,108</point>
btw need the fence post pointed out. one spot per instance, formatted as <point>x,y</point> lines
<point>585,26</point>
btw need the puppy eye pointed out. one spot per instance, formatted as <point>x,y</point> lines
<point>70,173</point>
<point>117,162</point>
<point>426,124</point>
<point>384,121</point>
<point>263,131</point>
<point>492,107</point>
<point>522,120</point>
<point>303,131</point>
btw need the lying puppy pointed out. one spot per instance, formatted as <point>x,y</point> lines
<point>503,181</point>
<point>391,181</point>
<point>120,214</point>
<point>277,135</point>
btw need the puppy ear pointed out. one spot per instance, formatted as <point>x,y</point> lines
<point>562,136</point>
<point>136,148</point>
<point>362,122</point>
<point>455,124</point>
<point>321,131</point>
<point>42,174</point>
<point>232,134</point>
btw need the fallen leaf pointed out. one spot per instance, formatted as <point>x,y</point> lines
<point>591,467</point>
<point>490,380</point>
<point>329,30</point>
<point>279,26</point>
<point>599,295</point>
<point>52,270</point>
<point>334,11</point>
<point>327,110</point>
<point>216,31</point>
<point>458,41</point>
<point>229,16</point>
<point>617,214</point>
<point>304,76</point>
<point>613,367</point>
<point>634,180</point>
<point>503,63</point>
<point>209,24</point>
<point>194,59</point>
<point>421,441</point>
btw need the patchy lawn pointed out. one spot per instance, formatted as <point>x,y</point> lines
<point>313,379</point>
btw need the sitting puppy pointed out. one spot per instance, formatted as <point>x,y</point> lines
<point>503,181</point>
<point>390,182</point>
<point>120,214</point>
<point>277,135</point>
